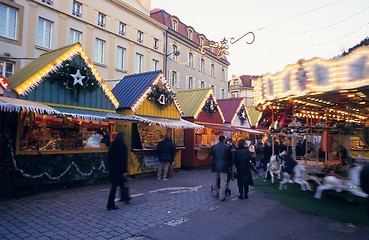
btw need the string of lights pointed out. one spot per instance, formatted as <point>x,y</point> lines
<point>316,44</point>
<point>320,28</point>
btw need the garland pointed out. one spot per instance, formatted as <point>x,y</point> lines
<point>160,97</point>
<point>211,107</point>
<point>242,114</point>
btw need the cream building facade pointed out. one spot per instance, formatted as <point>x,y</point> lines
<point>243,86</point>
<point>119,36</point>
<point>184,66</point>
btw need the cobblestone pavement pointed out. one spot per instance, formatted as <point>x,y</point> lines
<point>80,212</point>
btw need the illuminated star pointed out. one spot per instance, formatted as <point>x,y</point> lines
<point>78,78</point>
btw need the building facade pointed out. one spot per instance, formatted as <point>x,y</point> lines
<point>119,35</point>
<point>243,86</point>
<point>184,65</point>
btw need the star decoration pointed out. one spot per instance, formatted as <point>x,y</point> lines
<point>78,78</point>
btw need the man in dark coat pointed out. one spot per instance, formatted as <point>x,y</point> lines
<point>364,183</point>
<point>117,163</point>
<point>243,166</point>
<point>221,155</point>
<point>166,151</point>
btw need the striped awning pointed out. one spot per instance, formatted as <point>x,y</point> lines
<point>17,105</point>
<point>82,114</point>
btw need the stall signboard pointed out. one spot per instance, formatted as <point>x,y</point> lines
<point>315,76</point>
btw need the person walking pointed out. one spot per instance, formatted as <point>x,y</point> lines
<point>243,166</point>
<point>166,151</point>
<point>364,184</point>
<point>117,164</point>
<point>221,155</point>
<point>259,151</point>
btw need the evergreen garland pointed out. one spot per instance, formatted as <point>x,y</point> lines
<point>242,114</point>
<point>210,106</point>
<point>160,97</point>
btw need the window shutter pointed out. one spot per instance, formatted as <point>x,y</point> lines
<point>177,83</point>
<point>194,62</point>
<point>187,84</point>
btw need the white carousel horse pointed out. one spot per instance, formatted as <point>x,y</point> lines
<point>351,184</point>
<point>273,169</point>
<point>299,177</point>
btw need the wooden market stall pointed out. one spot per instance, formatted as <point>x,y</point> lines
<point>200,106</point>
<point>318,95</point>
<point>236,116</point>
<point>69,143</point>
<point>150,111</point>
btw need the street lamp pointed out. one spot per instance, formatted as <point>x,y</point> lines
<point>175,53</point>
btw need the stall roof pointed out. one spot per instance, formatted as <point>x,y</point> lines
<point>133,89</point>
<point>249,130</point>
<point>16,105</point>
<point>253,115</point>
<point>230,108</point>
<point>218,127</point>
<point>164,122</point>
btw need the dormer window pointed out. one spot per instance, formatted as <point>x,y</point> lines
<point>175,25</point>
<point>49,2</point>
<point>202,41</point>
<point>139,36</point>
<point>235,82</point>
<point>190,34</point>
<point>101,19</point>
<point>77,9</point>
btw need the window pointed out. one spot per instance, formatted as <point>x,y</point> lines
<point>122,28</point>
<point>223,75</point>
<point>175,25</point>
<point>190,34</point>
<point>139,36</point>
<point>212,70</point>
<point>234,94</point>
<point>101,19</point>
<point>202,84</point>
<point>190,59</point>
<point>99,50</point>
<point>174,53</point>
<point>44,33</point>
<point>8,21</point>
<point>235,83</point>
<point>155,65</point>
<point>75,36</point>
<point>173,79</point>
<point>6,69</point>
<point>121,55</point>
<point>49,2</point>
<point>223,94</point>
<point>139,61</point>
<point>202,41</point>
<point>156,43</point>
<point>190,83</point>
<point>77,9</point>
<point>202,64</point>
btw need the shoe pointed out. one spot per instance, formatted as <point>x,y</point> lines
<point>240,197</point>
<point>112,208</point>
<point>222,199</point>
<point>246,197</point>
<point>158,178</point>
<point>164,179</point>
<point>228,192</point>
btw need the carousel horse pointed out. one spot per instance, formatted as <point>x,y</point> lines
<point>339,183</point>
<point>299,177</point>
<point>273,169</point>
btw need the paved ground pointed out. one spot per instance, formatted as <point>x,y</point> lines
<point>180,208</point>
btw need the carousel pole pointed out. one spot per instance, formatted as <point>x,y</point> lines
<point>272,133</point>
<point>306,138</point>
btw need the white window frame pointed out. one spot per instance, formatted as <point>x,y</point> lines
<point>175,25</point>
<point>190,83</point>
<point>212,70</point>
<point>77,9</point>
<point>122,28</point>
<point>49,2</point>
<point>202,65</point>
<point>101,19</point>
<point>202,84</point>
<point>4,65</point>
<point>74,36</point>
<point>139,36</point>
<point>121,58</point>
<point>44,34</point>
<point>190,34</point>
<point>235,94</point>
<point>7,23</point>
<point>190,60</point>
<point>156,43</point>
<point>173,78</point>
<point>99,56</point>
<point>202,41</point>
<point>139,63</point>
<point>155,64</point>
<point>174,49</point>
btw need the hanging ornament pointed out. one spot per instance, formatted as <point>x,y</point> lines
<point>78,78</point>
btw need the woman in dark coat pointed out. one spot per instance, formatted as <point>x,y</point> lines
<point>117,162</point>
<point>243,165</point>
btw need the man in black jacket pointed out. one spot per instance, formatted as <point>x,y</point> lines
<point>221,155</point>
<point>166,151</point>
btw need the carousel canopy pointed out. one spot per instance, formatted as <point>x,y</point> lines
<point>17,105</point>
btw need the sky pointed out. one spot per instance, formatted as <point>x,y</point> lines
<point>285,30</point>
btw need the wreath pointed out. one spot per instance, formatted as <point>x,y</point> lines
<point>211,107</point>
<point>160,97</point>
<point>242,114</point>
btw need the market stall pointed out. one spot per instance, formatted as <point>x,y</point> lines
<point>150,111</point>
<point>318,95</point>
<point>200,106</point>
<point>236,117</point>
<point>69,141</point>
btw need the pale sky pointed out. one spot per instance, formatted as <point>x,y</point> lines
<point>285,30</point>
